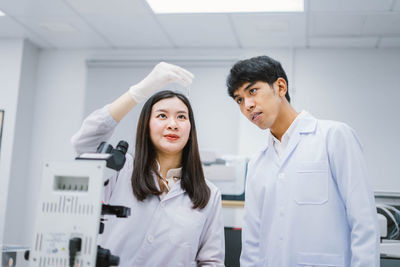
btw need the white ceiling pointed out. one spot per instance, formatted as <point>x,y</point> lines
<point>131,24</point>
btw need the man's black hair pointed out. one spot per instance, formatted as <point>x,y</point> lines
<point>262,68</point>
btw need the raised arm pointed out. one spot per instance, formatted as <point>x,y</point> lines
<point>100,125</point>
<point>162,74</point>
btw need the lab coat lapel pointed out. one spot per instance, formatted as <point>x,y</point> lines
<point>271,149</point>
<point>175,191</point>
<point>293,142</point>
<point>306,125</point>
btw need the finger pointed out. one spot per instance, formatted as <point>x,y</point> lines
<point>184,74</point>
<point>181,71</point>
<point>176,78</point>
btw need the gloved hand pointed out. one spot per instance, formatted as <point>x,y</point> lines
<point>161,75</point>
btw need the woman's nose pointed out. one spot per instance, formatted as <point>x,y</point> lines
<point>172,124</point>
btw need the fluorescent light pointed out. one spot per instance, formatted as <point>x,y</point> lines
<point>225,6</point>
<point>57,27</point>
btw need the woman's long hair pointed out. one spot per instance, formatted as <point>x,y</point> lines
<point>145,166</point>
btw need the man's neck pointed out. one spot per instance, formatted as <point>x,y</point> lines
<point>283,121</point>
<point>168,162</point>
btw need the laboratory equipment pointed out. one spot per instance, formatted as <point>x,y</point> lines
<point>388,207</point>
<point>70,207</point>
<point>227,172</point>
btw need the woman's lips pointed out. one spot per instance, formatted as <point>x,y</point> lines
<point>171,137</point>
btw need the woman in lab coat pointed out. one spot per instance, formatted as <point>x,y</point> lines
<point>175,213</point>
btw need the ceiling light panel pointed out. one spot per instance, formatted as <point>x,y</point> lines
<point>225,6</point>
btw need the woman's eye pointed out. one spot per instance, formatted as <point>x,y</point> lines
<point>182,117</point>
<point>162,116</point>
<point>239,100</point>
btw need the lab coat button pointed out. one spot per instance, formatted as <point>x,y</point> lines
<point>281,176</point>
<point>150,238</point>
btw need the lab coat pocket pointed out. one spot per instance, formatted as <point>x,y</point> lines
<point>186,227</point>
<point>311,184</point>
<point>319,260</point>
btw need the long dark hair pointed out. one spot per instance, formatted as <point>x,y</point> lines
<point>144,164</point>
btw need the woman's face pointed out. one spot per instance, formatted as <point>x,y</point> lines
<point>169,126</point>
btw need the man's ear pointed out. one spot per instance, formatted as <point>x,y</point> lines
<point>282,86</point>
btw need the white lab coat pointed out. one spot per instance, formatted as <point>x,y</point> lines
<point>313,207</point>
<point>165,232</point>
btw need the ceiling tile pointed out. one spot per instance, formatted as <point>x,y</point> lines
<point>327,24</point>
<point>343,42</point>
<point>397,6</point>
<point>79,35</point>
<point>124,23</point>
<point>130,31</point>
<point>110,8</point>
<point>11,29</point>
<point>199,30</point>
<point>382,24</point>
<point>390,42</point>
<point>271,30</point>
<point>28,8</point>
<point>350,5</point>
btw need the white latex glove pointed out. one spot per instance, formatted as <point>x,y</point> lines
<point>161,75</point>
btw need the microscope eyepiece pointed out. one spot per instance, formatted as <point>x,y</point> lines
<point>123,146</point>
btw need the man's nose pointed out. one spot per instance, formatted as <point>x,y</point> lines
<point>249,104</point>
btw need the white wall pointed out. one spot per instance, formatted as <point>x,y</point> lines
<point>362,88</point>
<point>15,218</point>
<point>60,90</point>
<point>43,99</point>
<point>10,68</point>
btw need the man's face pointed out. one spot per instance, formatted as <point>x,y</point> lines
<point>259,102</point>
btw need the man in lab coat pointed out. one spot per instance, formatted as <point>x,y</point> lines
<point>308,202</point>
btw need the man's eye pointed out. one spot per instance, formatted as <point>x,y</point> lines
<point>252,91</point>
<point>239,100</point>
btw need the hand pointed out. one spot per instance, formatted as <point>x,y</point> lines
<point>161,75</point>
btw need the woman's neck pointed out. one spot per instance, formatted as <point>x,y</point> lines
<point>168,162</point>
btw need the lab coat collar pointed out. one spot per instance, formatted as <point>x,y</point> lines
<point>171,173</point>
<point>306,124</point>
<point>175,191</point>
